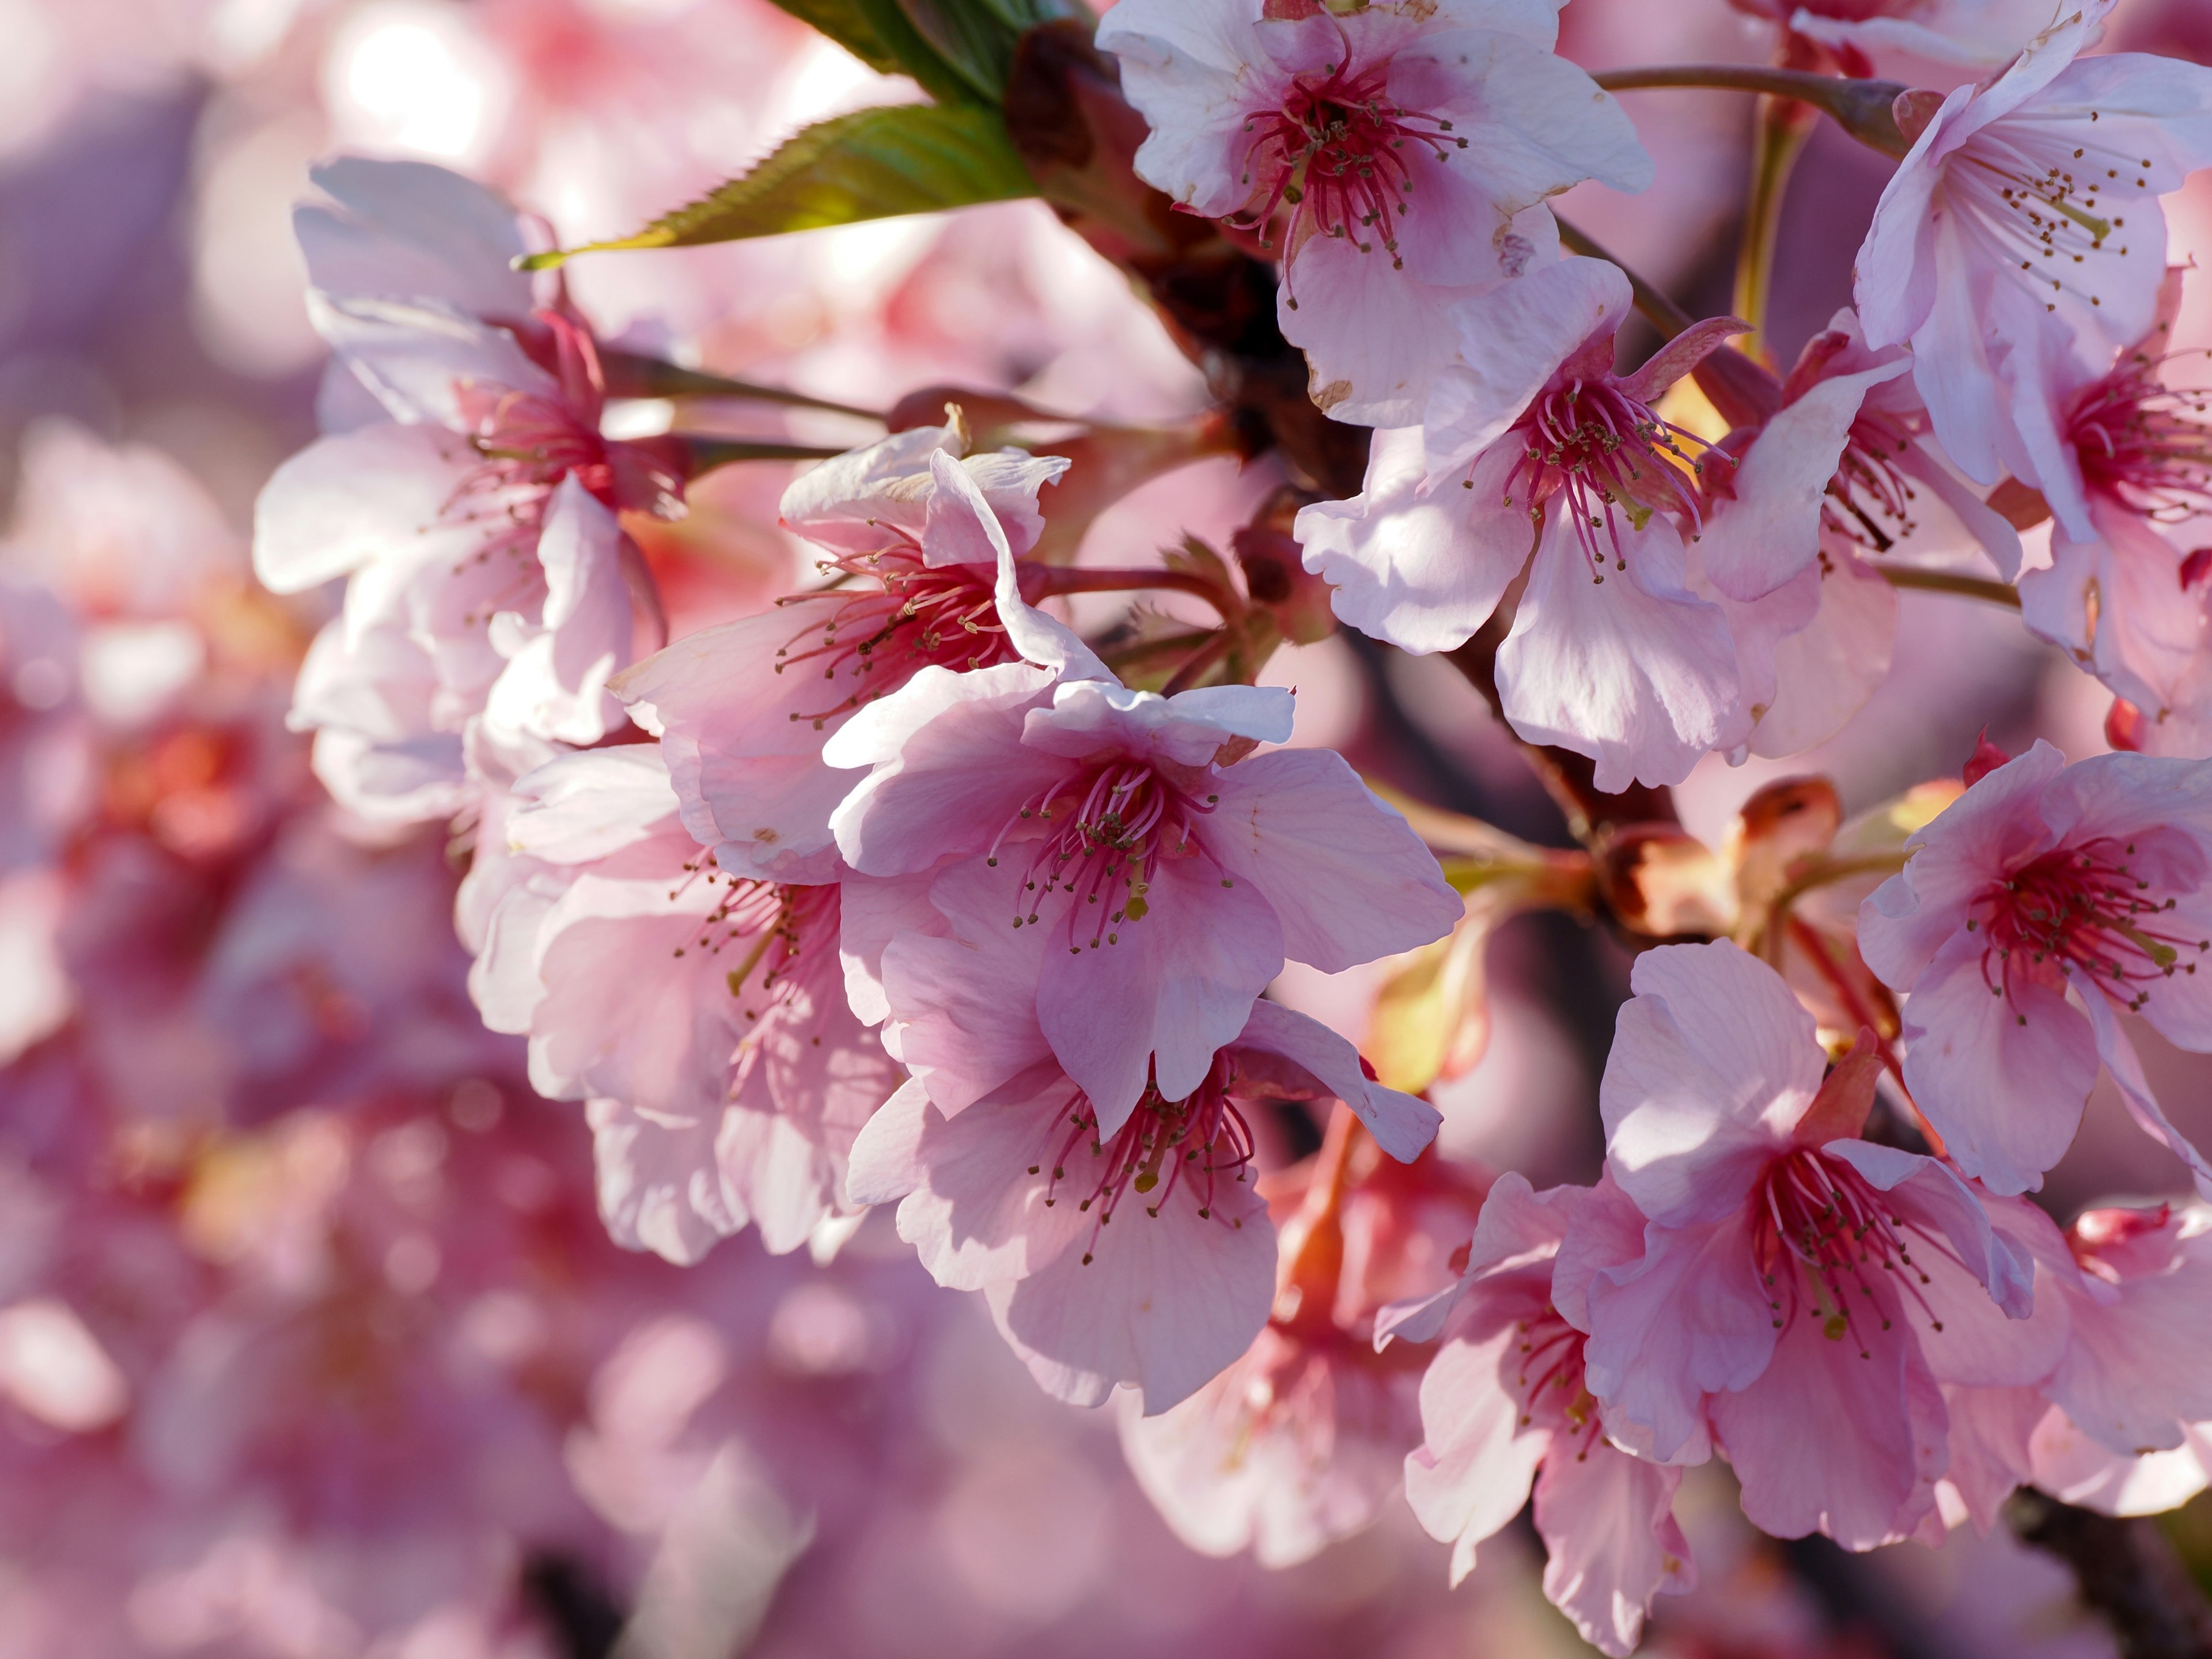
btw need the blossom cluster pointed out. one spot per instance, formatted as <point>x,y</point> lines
<point>943,848</point>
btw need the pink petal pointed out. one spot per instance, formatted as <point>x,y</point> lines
<point>1348,878</point>
<point>1713,1062</point>
<point>2005,1096</point>
<point>1608,1522</point>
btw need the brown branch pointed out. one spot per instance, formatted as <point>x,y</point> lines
<point>1865,109</point>
<point>1657,308</point>
<point>2127,1573</point>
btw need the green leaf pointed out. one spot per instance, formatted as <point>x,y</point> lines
<point>847,23</point>
<point>974,41</point>
<point>872,164</point>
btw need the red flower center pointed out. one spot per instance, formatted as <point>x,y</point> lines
<point>1549,1381</point>
<point>2081,907</point>
<point>876,638</point>
<point>2149,446</point>
<point>1106,828</point>
<point>1822,1236</point>
<point>1608,456</point>
<point>1336,154</point>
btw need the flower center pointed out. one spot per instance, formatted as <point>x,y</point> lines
<point>1868,500</point>
<point>878,638</point>
<point>2041,190</point>
<point>1105,830</point>
<point>1821,1235</point>
<point>1549,1381</point>
<point>1608,456</point>
<point>2147,445</point>
<point>1336,154</point>
<point>2081,907</point>
<point>771,922</point>
<point>1201,1142</point>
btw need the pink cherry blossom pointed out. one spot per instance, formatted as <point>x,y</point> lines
<point>1506,1407</point>
<point>1010,1175</point>
<point>2022,235</point>
<point>2133,463</point>
<point>1119,837</point>
<point>1303,1440</point>
<point>1674,657</point>
<point>917,532</point>
<point>1751,1265</point>
<point>2046,901</point>
<point>2129,1428</point>
<point>473,506</point>
<point>702,1015</point>
<point>1405,148</point>
<point>1969,37</point>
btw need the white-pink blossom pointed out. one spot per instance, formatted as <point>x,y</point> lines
<point>1405,148</point>
<point>2022,237</point>
<point>2043,904</point>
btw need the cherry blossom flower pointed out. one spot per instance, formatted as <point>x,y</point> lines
<point>491,577</point>
<point>916,531</point>
<point>2047,901</point>
<point>1130,841</point>
<point>1506,1407</point>
<point>2135,462</point>
<point>1303,1440</point>
<point>1676,656</point>
<point>2129,1431</point>
<point>1969,37</point>
<point>1406,148</point>
<point>1751,1264</point>
<point>1010,1173</point>
<point>702,1015</point>
<point>2022,233</point>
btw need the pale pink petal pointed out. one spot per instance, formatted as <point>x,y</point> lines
<point>1866,1474</point>
<point>1349,880</point>
<point>1420,571</point>
<point>401,229</point>
<point>974,1213</point>
<point>1635,671</point>
<point>658,1188</point>
<point>418,357</point>
<point>1401,1125</point>
<point>1929,1196</point>
<point>1512,336</point>
<point>2002,1078</point>
<point>1825,672</point>
<point>1688,1320</point>
<point>1153,999</point>
<point>1608,1522</point>
<point>2119,1056</point>
<point>963,1005</point>
<point>1989,1435</point>
<point>1771,529</point>
<point>1165,1302</point>
<point>554,684</point>
<point>1714,1060</point>
<point>342,502</point>
<point>743,744</point>
<point>1473,1471</point>
<point>951,770</point>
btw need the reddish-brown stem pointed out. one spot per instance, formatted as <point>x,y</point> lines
<point>1040,581</point>
<point>1861,108</point>
<point>1661,312</point>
